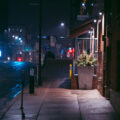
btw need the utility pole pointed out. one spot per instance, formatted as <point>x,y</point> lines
<point>40,39</point>
<point>39,3</point>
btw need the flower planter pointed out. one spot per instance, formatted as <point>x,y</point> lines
<point>85,77</point>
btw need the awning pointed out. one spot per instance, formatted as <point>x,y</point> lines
<point>81,29</point>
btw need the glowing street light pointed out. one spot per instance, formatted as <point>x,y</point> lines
<point>20,53</point>
<point>100,13</point>
<point>16,37</point>
<point>95,20</point>
<point>92,4</point>
<point>62,24</point>
<point>8,58</point>
<point>19,38</point>
<point>89,31</point>
<point>83,4</point>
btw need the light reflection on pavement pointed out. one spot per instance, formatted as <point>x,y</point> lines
<point>10,79</point>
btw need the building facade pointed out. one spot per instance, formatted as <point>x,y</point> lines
<point>112,52</point>
<point>107,32</point>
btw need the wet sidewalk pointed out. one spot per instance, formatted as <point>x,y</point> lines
<point>61,104</point>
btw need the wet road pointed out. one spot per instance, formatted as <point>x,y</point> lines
<point>10,79</point>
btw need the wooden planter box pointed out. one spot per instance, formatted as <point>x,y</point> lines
<point>85,77</point>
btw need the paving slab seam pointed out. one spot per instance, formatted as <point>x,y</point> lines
<point>81,118</point>
<point>38,113</point>
<point>39,110</point>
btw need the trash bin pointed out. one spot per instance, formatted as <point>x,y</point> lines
<point>31,81</point>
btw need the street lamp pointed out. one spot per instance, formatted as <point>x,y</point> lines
<point>8,58</point>
<point>62,24</point>
<point>20,53</point>
<point>100,13</point>
<point>83,4</point>
<point>95,20</point>
<point>20,38</point>
<point>16,37</point>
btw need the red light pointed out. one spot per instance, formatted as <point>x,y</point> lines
<point>70,50</point>
<point>19,59</point>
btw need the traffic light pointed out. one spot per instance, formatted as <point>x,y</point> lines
<point>70,50</point>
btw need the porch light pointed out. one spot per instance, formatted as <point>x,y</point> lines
<point>95,20</point>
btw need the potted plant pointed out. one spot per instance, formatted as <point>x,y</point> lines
<point>85,63</point>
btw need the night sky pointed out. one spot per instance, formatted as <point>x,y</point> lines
<point>54,12</point>
<point>22,13</point>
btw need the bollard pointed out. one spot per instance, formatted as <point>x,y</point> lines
<point>22,93</point>
<point>70,71</point>
<point>31,81</point>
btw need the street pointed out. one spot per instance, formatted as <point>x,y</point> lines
<point>10,80</point>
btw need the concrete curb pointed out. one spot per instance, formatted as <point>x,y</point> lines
<point>8,106</point>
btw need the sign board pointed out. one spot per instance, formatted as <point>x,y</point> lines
<point>82,17</point>
<point>31,72</point>
<point>52,41</point>
<point>37,46</point>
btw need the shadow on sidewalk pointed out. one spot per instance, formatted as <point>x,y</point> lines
<point>66,84</point>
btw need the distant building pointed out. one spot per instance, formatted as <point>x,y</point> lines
<point>20,42</point>
<point>3,15</point>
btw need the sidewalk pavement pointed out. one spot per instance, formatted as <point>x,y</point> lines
<point>61,104</point>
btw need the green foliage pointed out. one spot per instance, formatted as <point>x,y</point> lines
<point>86,59</point>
